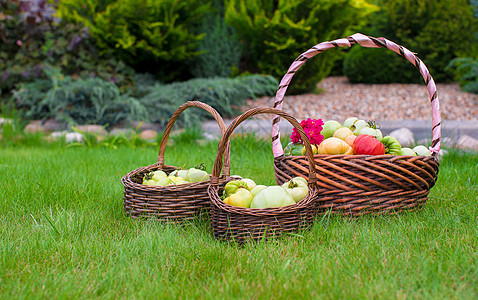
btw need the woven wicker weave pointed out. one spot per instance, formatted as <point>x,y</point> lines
<point>241,224</point>
<point>364,184</point>
<point>173,203</point>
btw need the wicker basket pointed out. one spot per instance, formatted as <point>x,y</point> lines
<point>242,224</point>
<point>364,184</point>
<point>170,203</point>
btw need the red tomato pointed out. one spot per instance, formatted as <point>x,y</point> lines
<point>368,145</point>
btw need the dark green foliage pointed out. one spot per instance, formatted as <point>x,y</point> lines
<point>152,36</point>
<point>437,30</point>
<point>81,101</point>
<point>274,33</point>
<point>224,94</point>
<point>220,48</point>
<point>28,45</point>
<point>466,70</point>
<point>364,65</point>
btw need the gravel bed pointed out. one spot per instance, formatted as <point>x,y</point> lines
<point>385,102</point>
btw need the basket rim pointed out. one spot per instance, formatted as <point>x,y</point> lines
<point>258,212</point>
<point>126,180</point>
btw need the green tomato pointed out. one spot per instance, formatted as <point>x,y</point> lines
<point>272,196</point>
<point>350,122</point>
<point>149,182</point>
<point>293,149</point>
<point>329,128</point>
<point>179,173</point>
<point>158,175</point>
<point>358,126</point>
<point>257,189</point>
<point>297,189</point>
<point>196,175</point>
<point>422,150</point>
<point>314,150</point>
<point>298,178</point>
<point>392,145</point>
<point>407,151</point>
<point>376,133</point>
<point>232,186</point>
<point>242,197</point>
<point>163,182</point>
<point>250,183</point>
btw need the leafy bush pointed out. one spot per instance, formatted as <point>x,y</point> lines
<point>466,70</point>
<point>220,48</point>
<point>152,36</point>
<point>276,32</point>
<point>224,94</point>
<point>437,30</point>
<point>31,41</point>
<point>364,65</point>
<point>81,101</point>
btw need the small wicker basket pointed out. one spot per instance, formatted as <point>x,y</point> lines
<point>170,203</point>
<point>364,184</point>
<point>241,224</point>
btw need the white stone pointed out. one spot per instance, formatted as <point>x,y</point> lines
<point>58,134</point>
<point>148,134</point>
<point>467,142</point>
<point>95,129</point>
<point>72,137</point>
<point>404,136</point>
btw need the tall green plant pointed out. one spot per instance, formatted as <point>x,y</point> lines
<point>276,32</point>
<point>152,35</point>
<point>220,48</point>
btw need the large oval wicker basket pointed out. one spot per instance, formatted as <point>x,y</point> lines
<point>242,224</point>
<point>364,184</point>
<point>172,203</point>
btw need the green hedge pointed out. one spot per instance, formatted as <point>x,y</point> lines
<point>437,30</point>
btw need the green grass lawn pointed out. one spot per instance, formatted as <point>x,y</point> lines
<point>64,235</point>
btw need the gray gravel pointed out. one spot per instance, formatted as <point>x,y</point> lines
<point>393,106</point>
<point>381,102</point>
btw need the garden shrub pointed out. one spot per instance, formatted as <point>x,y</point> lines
<point>274,33</point>
<point>437,30</point>
<point>466,70</point>
<point>80,101</point>
<point>365,65</point>
<point>224,94</point>
<point>33,40</point>
<point>155,36</point>
<point>220,49</point>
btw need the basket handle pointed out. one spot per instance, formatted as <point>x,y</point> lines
<point>172,120</point>
<point>370,42</point>
<point>255,111</point>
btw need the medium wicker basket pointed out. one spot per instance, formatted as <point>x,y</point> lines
<point>242,224</point>
<point>170,203</point>
<point>364,184</point>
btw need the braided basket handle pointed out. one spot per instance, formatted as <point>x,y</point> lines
<point>172,120</point>
<point>370,42</point>
<point>255,111</point>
